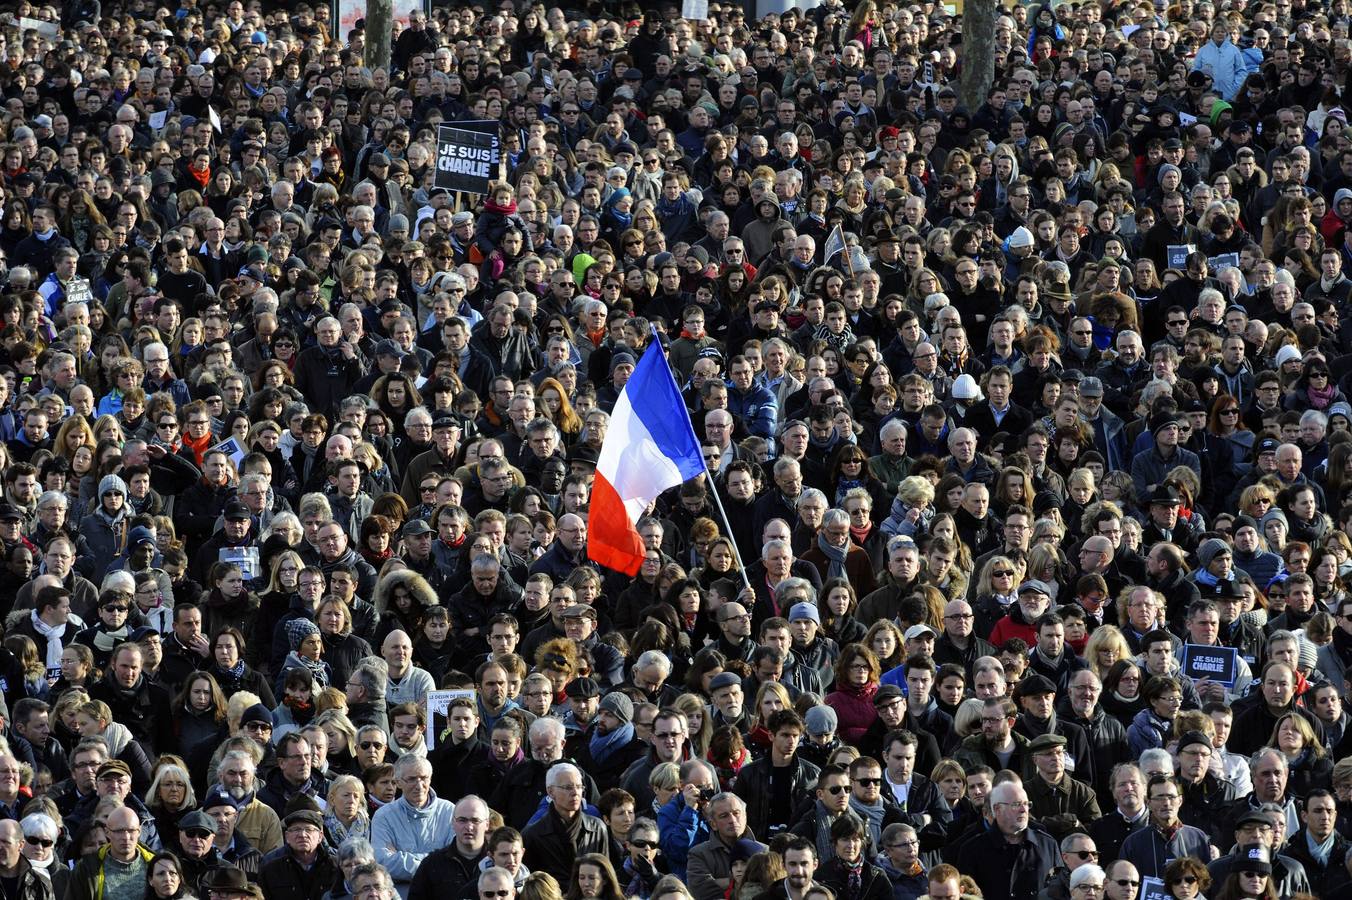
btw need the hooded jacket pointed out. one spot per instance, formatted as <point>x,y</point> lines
<point>105,534</point>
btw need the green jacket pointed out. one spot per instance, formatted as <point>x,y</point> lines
<point>890,471</point>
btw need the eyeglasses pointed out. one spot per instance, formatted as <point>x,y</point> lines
<point>643,845</point>
<point>868,782</point>
<point>372,745</point>
<point>1085,854</point>
<point>114,608</point>
<point>837,789</point>
<point>1003,573</point>
<point>1184,879</point>
<point>39,842</point>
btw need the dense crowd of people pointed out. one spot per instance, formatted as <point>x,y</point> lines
<point>1019,567</point>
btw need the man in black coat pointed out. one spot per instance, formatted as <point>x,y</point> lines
<point>457,749</point>
<point>305,870</point>
<point>1107,738</point>
<point>772,786</point>
<point>1012,858</point>
<point>1319,818</point>
<point>446,872</point>
<point>565,832</point>
<point>135,700</point>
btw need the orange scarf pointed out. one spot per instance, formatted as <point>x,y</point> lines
<point>198,447</point>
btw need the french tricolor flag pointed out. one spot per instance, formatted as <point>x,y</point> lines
<point>650,447</point>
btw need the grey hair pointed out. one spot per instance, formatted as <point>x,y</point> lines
<point>836,517</point>
<point>776,545</point>
<point>558,771</point>
<point>39,825</point>
<point>1314,416</point>
<point>49,497</point>
<point>356,849</point>
<point>316,504</point>
<point>1158,757</point>
<point>654,658</point>
<point>494,872</point>
<point>892,427</point>
<point>408,761</point>
<point>794,583</point>
<point>808,494</point>
<point>1257,759</point>
<point>121,580</point>
<point>547,726</point>
<point>374,674</point>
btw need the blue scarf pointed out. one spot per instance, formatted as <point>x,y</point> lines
<point>603,746</point>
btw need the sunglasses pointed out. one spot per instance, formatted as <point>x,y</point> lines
<point>643,845</point>
<point>38,842</point>
<point>869,782</point>
<point>1185,879</point>
<point>1004,573</point>
<point>1127,883</point>
<point>120,609</point>
<point>837,789</point>
<point>372,745</point>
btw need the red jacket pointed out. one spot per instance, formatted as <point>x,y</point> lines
<point>854,710</point>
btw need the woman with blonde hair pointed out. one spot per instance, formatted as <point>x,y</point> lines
<point>1048,564</point>
<point>912,510</point>
<point>170,798</point>
<point>1308,763</point>
<point>967,720</point>
<point>346,815</point>
<point>74,433</point>
<point>1106,646</point>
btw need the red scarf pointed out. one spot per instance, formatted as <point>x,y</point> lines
<point>861,534</point>
<point>202,177</point>
<point>198,447</point>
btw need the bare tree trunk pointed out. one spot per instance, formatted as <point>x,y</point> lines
<point>978,51</point>
<point>379,34</point>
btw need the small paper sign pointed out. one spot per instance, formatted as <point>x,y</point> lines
<point>1154,889</point>
<point>437,704</point>
<point>1220,664</point>
<point>157,119</point>
<point>49,29</point>
<point>1225,260</point>
<point>245,557</point>
<point>214,118</point>
<point>695,9</point>
<point>231,447</point>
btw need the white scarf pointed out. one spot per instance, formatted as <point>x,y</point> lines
<point>53,634</point>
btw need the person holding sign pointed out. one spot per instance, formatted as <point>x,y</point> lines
<point>1204,628</point>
